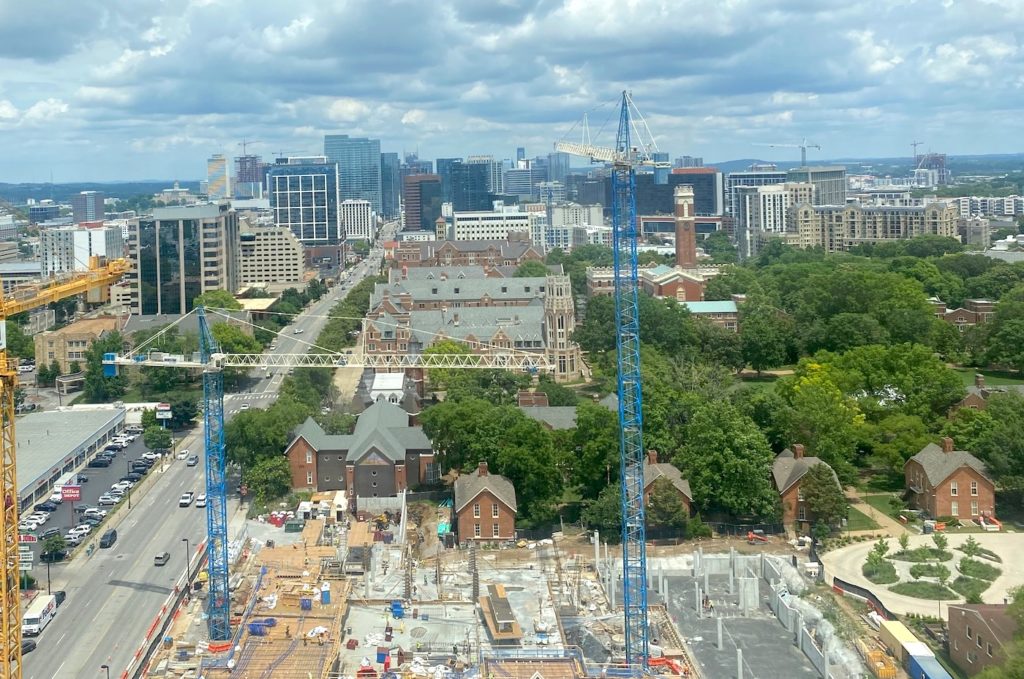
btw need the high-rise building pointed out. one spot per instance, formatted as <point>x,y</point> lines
<point>520,153</point>
<point>421,199</point>
<point>495,183</point>
<point>69,248</point>
<point>555,191</point>
<point>757,175</point>
<point>444,171</point>
<point>178,253</point>
<point>763,210</point>
<point>304,197</point>
<point>829,182</point>
<point>390,185</point>
<point>358,162</point>
<point>87,206</point>
<point>519,182</point>
<point>269,256</point>
<point>489,225</point>
<point>357,219</point>
<point>248,177</point>
<point>43,212</point>
<point>653,198</point>
<point>468,187</point>
<point>217,183</point>
<point>413,165</point>
<point>558,166</point>
<point>688,161</point>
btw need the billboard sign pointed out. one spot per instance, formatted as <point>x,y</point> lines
<point>25,537</point>
<point>71,493</point>
<point>163,411</point>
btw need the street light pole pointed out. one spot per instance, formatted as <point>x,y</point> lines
<point>129,466</point>
<point>48,578</point>
<point>107,668</point>
<point>188,555</point>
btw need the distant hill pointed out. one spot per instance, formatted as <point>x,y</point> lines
<point>19,193</point>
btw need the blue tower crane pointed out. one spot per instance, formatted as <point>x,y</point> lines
<point>624,158</point>
<point>219,596</point>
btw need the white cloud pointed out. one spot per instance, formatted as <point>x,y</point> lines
<point>414,117</point>
<point>45,110</point>
<point>477,93</point>
<point>878,56</point>
<point>280,38</point>
<point>347,110</point>
<point>8,111</point>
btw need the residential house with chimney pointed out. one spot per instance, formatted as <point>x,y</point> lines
<point>383,456</point>
<point>944,481</point>
<point>977,634</point>
<point>788,470</point>
<point>654,470</point>
<point>485,507</point>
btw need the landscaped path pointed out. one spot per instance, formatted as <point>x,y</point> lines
<point>887,524</point>
<point>846,563</point>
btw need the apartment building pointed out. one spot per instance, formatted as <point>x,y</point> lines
<point>837,228</point>
<point>269,256</point>
<point>495,225</point>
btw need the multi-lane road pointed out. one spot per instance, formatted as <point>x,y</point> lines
<point>113,595</point>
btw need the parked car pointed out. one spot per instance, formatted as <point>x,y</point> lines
<point>134,429</point>
<point>27,526</point>
<point>95,511</point>
<point>82,478</point>
<point>107,499</point>
<point>92,520</point>
<point>46,506</point>
<point>49,533</point>
<point>27,646</point>
<point>99,462</point>
<point>83,508</point>
<point>40,517</point>
<point>133,476</point>
<point>122,485</point>
<point>183,454</point>
<point>108,539</point>
<point>151,456</point>
<point>54,557</point>
<point>245,406</point>
<point>192,461</point>
<point>186,499</point>
<point>298,331</point>
<point>73,539</point>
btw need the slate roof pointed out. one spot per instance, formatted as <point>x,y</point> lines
<point>556,417</point>
<point>383,426</point>
<point>787,469</point>
<point>506,249</point>
<point>468,486</point>
<point>417,273</point>
<point>653,472</point>
<point>482,323</point>
<point>462,289</point>
<point>938,465</point>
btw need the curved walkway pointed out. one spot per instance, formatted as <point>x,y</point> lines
<point>846,563</point>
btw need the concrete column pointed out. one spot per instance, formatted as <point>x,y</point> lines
<point>732,560</point>
<point>696,597</point>
<point>719,634</point>
<point>799,626</point>
<point>824,663</point>
<point>706,588</point>
<point>661,583</point>
<point>597,553</point>
<point>739,663</point>
<point>694,565</point>
<point>732,584</point>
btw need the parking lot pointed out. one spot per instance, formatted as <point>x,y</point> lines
<point>99,482</point>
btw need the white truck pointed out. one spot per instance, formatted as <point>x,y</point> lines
<point>39,614</point>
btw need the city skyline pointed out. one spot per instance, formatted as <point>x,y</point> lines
<point>121,91</point>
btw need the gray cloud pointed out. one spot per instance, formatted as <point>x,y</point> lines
<point>117,89</point>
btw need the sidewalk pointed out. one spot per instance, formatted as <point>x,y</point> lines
<point>887,524</point>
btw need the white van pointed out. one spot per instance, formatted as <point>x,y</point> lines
<point>39,614</point>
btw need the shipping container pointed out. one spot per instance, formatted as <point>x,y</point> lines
<point>926,667</point>
<point>894,634</point>
<point>918,648</point>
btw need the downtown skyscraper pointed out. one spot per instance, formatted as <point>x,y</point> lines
<point>359,171</point>
<point>390,184</point>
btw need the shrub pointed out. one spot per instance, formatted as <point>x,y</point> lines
<point>970,588</point>
<point>929,570</point>
<point>977,569</point>
<point>923,590</point>
<point>880,572</point>
<point>922,554</point>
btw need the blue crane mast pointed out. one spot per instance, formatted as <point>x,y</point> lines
<point>627,344</point>
<point>219,596</point>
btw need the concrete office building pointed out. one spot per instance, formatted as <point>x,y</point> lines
<point>838,228</point>
<point>359,169</point>
<point>829,182</point>
<point>488,225</point>
<point>358,220</point>
<point>757,175</point>
<point>421,200</point>
<point>177,254</point>
<point>269,257</point>
<point>69,248</point>
<point>43,212</point>
<point>87,206</point>
<point>304,197</point>
<point>553,192</point>
<point>217,182</point>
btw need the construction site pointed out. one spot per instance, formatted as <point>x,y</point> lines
<point>368,596</point>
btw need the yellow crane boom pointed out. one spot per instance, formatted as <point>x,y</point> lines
<point>17,301</point>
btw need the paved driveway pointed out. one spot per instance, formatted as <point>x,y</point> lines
<point>846,563</point>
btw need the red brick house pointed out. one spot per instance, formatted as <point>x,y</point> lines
<point>485,507</point>
<point>654,470</point>
<point>788,470</point>
<point>947,482</point>
<point>977,633</point>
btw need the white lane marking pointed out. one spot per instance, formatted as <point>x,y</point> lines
<point>57,673</point>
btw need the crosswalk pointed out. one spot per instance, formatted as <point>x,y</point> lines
<point>233,402</point>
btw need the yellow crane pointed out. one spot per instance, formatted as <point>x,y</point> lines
<point>14,302</point>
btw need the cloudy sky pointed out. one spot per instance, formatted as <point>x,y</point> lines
<point>131,89</point>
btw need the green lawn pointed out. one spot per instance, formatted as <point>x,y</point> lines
<point>929,570</point>
<point>885,574</point>
<point>970,588</point>
<point>924,590</point>
<point>993,378</point>
<point>881,503</point>
<point>922,555</point>
<point>858,520</point>
<point>978,569</point>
